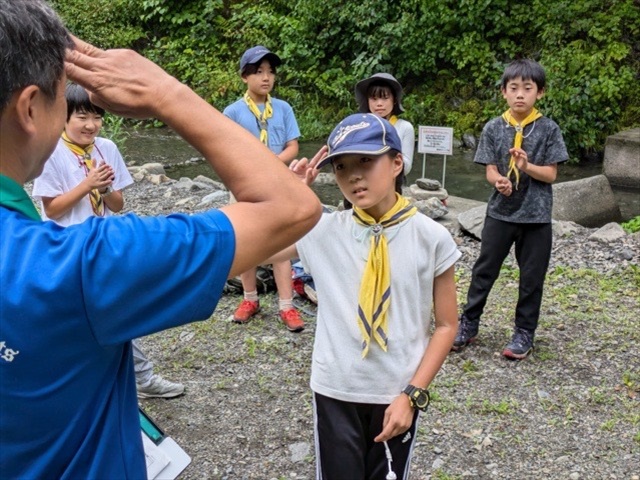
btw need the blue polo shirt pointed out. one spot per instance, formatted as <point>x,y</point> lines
<point>71,300</point>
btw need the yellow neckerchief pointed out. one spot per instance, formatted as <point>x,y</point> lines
<point>261,117</point>
<point>97,203</point>
<point>375,287</point>
<point>393,119</point>
<point>517,141</point>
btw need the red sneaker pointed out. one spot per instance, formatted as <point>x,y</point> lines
<point>291,319</point>
<point>245,311</point>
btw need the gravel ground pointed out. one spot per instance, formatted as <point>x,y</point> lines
<point>569,411</point>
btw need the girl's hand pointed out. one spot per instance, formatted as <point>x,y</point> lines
<point>306,169</point>
<point>397,418</point>
<point>100,177</point>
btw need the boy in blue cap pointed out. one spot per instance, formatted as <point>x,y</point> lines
<point>521,150</point>
<point>273,122</point>
<point>378,269</point>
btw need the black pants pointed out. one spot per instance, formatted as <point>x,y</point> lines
<point>533,250</point>
<point>345,449</point>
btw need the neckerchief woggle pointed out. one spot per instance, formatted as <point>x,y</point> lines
<point>375,288</point>
<point>261,117</point>
<point>517,141</point>
<point>97,202</point>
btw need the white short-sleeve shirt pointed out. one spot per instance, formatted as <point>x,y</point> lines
<point>64,171</point>
<point>334,253</point>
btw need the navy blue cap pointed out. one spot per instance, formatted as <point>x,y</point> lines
<point>256,54</point>
<point>362,133</point>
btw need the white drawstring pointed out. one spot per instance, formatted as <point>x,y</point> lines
<point>391,475</point>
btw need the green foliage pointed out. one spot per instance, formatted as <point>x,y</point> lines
<point>448,54</point>
<point>104,23</point>
<point>112,128</point>
<point>633,225</point>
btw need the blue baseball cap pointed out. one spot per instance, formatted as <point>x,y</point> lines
<point>362,133</point>
<point>256,54</point>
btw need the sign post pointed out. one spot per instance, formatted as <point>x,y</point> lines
<point>437,141</point>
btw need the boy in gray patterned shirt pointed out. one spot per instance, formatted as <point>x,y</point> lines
<point>521,150</point>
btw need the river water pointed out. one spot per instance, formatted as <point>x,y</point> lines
<point>462,178</point>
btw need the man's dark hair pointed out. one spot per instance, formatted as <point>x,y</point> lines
<point>32,48</point>
<point>526,69</point>
<point>78,101</point>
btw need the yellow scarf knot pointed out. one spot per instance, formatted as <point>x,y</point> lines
<point>375,288</point>
<point>84,154</point>
<point>261,117</point>
<point>517,141</point>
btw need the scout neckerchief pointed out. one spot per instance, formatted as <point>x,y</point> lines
<point>393,119</point>
<point>84,157</point>
<point>375,287</point>
<point>517,141</point>
<point>261,117</point>
<point>13,197</point>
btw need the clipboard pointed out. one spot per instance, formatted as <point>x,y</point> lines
<point>165,459</point>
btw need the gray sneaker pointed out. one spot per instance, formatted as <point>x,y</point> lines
<point>520,345</point>
<point>160,388</point>
<point>467,333</point>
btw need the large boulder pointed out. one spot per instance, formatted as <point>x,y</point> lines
<point>472,220</point>
<point>622,158</point>
<point>589,202</point>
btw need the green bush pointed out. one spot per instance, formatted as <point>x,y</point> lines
<point>448,54</point>
<point>633,225</point>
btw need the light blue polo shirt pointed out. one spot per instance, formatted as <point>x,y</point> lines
<point>282,127</point>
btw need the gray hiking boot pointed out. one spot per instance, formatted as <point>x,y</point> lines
<point>160,388</point>
<point>467,333</point>
<point>520,345</point>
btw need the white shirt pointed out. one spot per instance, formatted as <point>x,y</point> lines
<point>64,171</point>
<point>334,253</point>
<point>408,138</point>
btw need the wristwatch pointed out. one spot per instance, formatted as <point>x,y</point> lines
<point>419,397</point>
<point>107,192</point>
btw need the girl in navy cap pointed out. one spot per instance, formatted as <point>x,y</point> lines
<point>373,357</point>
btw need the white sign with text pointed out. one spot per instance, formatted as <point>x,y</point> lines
<point>435,140</point>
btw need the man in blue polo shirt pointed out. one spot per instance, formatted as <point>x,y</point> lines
<point>72,299</point>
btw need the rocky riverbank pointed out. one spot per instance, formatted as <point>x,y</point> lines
<point>569,411</point>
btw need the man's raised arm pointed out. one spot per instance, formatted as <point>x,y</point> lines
<point>274,208</point>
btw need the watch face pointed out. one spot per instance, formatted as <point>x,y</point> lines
<point>422,400</point>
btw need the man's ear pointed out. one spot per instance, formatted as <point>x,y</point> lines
<point>540,94</point>
<point>28,101</point>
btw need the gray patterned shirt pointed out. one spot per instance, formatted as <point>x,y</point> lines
<point>532,202</point>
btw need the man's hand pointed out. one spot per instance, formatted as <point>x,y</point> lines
<point>306,169</point>
<point>121,81</point>
<point>397,418</point>
<point>504,186</point>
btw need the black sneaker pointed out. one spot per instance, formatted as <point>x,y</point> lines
<point>520,345</point>
<point>467,333</point>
